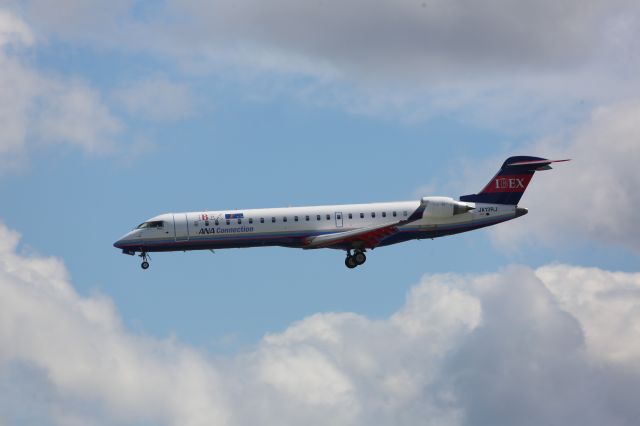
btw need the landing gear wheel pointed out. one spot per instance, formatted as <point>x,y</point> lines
<point>359,258</point>
<point>350,262</point>
<point>145,263</point>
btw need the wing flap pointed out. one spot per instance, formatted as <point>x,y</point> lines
<point>367,237</point>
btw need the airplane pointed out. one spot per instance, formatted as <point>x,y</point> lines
<point>354,228</point>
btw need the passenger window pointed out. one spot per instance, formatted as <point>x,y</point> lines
<point>228,222</point>
<point>384,214</point>
<point>338,216</point>
<point>373,214</point>
<point>262,220</point>
<point>361,215</point>
<point>273,219</point>
<point>284,219</point>
<point>250,220</point>
<point>216,222</point>
<point>306,218</point>
<point>239,221</point>
<point>295,218</point>
<point>328,217</point>
<point>318,217</point>
<point>350,216</point>
<point>394,214</point>
<point>206,223</point>
<point>404,213</point>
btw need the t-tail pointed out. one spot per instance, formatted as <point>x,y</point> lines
<point>508,185</point>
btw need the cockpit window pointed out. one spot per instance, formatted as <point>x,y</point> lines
<point>152,224</point>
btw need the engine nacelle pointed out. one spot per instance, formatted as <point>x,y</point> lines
<point>444,207</point>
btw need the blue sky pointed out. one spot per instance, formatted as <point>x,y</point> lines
<point>119,111</point>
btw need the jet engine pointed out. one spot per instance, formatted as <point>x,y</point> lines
<point>444,207</point>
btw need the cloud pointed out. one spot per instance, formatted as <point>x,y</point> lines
<point>14,31</point>
<point>499,64</point>
<point>605,304</point>
<point>38,110</point>
<point>595,196</point>
<point>550,346</point>
<point>406,37</point>
<point>81,350</point>
<point>75,18</point>
<point>156,98</point>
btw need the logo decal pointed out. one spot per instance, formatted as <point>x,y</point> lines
<point>510,183</point>
<point>225,230</point>
<point>234,216</point>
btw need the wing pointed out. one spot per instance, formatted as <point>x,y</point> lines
<point>362,237</point>
<point>369,237</point>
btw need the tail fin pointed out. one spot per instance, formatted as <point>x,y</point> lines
<point>508,185</point>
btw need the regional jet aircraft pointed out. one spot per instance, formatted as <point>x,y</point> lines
<point>354,228</point>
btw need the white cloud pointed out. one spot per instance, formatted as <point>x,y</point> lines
<point>76,18</point>
<point>156,98</point>
<point>73,113</point>
<point>596,195</point>
<point>605,303</point>
<point>505,64</point>
<point>14,31</point>
<point>407,37</point>
<point>86,355</point>
<point>38,110</point>
<point>512,66</point>
<point>552,346</point>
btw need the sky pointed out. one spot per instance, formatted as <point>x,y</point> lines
<point>115,111</point>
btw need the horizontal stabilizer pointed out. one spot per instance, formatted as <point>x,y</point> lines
<point>536,162</point>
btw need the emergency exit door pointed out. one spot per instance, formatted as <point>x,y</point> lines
<point>338,219</point>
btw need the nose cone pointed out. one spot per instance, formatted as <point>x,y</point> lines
<point>521,211</point>
<point>124,241</point>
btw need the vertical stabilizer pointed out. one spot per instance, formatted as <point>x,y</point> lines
<point>508,185</point>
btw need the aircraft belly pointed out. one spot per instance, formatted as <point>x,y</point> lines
<point>436,230</point>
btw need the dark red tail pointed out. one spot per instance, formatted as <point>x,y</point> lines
<point>508,185</point>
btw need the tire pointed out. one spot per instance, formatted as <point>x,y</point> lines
<point>350,262</point>
<point>145,265</point>
<point>360,258</point>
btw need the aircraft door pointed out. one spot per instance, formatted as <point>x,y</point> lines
<point>181,227</point>
<point>338,219</point>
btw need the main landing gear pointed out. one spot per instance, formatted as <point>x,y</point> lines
<point>355,259</point>
<point>145,260</point>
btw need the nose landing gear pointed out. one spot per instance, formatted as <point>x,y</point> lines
<point>355,259</point>
<point>145,260</point>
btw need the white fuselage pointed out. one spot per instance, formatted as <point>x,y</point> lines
<point>294,226</point>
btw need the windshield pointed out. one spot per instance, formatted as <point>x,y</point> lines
<point>153,224</point>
